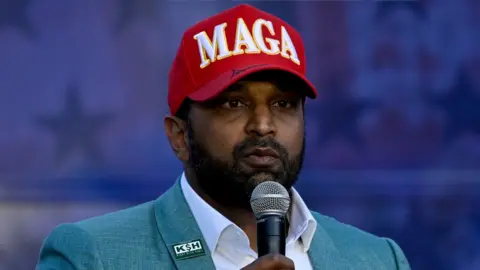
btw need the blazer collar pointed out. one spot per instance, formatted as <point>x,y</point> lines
<point>323,253</point>
<point>179,231</point>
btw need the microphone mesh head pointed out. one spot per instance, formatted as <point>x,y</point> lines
<point>268,198</point>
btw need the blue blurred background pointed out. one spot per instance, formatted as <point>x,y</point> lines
<point>393,142</point>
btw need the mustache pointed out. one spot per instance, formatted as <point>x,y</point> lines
<point>252,142</point>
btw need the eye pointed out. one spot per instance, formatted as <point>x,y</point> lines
<point>232,104</point>
<point>284,104</point>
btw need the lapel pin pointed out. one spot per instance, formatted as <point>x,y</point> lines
<point>188,250</point>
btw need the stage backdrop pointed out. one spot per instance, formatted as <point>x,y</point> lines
<point>393,142</point>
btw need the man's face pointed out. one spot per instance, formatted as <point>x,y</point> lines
<point>251,133</point>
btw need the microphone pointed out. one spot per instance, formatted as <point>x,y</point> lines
<point>270,202</point>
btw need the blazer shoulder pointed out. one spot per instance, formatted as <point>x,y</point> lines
<point>99,242</point>
<point>339,231</point>
<point>352,240</point>
<point>69,247</point>
<point>121,221</point>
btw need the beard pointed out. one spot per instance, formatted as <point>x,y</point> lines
<point>230,185</point>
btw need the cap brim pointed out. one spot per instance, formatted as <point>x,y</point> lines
<point>215,87</point>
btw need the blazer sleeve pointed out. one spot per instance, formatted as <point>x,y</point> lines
<point>400,259</point>
<point>68,247</point>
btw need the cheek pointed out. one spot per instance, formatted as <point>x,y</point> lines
<point>291,137</point>
<point>220,140</point>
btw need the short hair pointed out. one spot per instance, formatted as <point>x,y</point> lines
<point>184,110</point>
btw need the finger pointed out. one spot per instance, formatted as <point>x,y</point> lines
<point>276,261</point>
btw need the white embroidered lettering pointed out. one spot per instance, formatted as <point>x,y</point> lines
<point>247,41</point>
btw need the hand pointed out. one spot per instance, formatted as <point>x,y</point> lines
<point>271,261</point>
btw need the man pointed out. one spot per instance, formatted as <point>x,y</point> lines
<point>236,94</point>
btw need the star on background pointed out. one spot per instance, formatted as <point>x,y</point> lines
<point>131,10</point>
<point>13,13</point>
<point>462,106</point>
<point>74,129</point>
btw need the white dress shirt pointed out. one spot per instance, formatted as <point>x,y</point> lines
<point>230,246</point>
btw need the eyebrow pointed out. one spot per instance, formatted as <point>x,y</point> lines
<point>241,85</point>
<point>238,86</point>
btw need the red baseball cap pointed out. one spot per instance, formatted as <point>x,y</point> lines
<point>220,50</point>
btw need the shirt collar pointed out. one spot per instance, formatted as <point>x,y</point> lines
<point>302,222</point>
<point>209,220</point>
<point>212,223</point>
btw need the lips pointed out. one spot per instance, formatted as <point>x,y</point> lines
<point>263,152</point>
<point>261,157</point>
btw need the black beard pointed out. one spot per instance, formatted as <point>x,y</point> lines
<point>231,186</point>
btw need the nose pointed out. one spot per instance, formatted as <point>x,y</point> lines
<point>260,123</point>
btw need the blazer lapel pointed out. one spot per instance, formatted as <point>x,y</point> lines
<point>180,231</point>
<point>323,253</point>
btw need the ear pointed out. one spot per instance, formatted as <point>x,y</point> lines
<point>176,131</point>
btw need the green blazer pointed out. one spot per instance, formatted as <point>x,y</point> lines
<point>163,234</point>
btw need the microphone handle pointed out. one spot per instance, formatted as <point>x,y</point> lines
<point>271,234</point>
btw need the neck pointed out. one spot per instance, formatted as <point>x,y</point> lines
<point>243,218</point>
